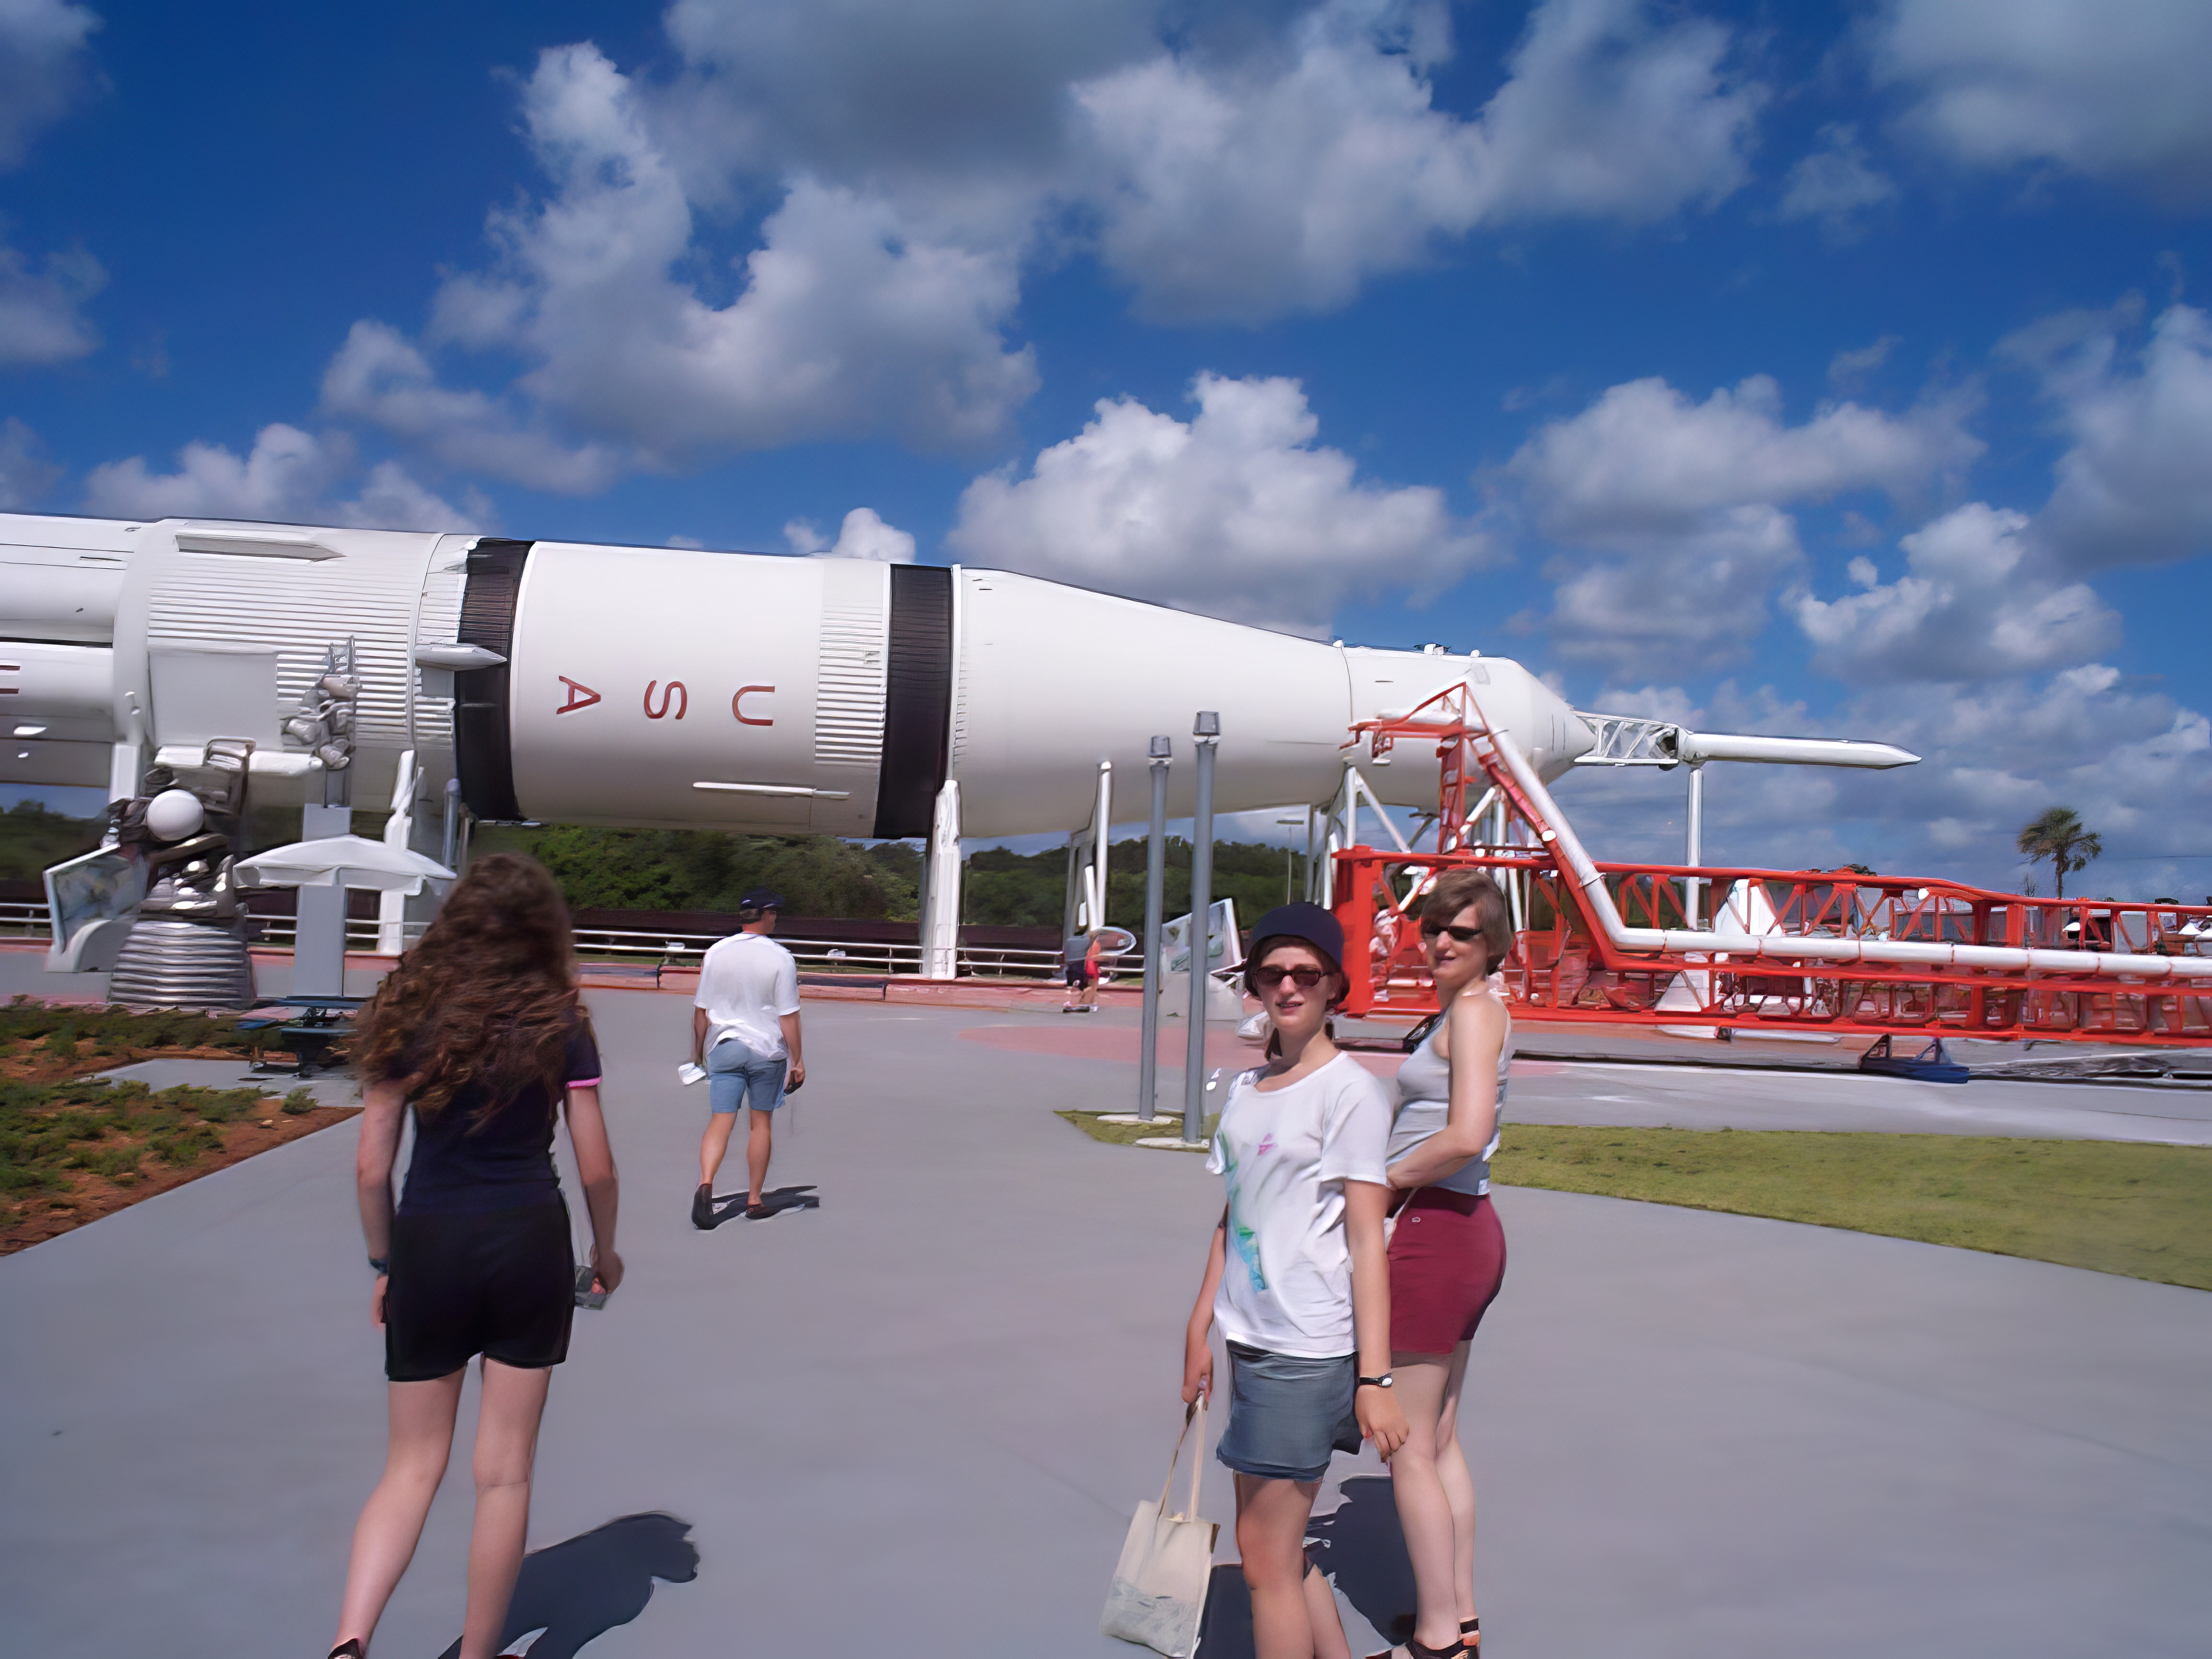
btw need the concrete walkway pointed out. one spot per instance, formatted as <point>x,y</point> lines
<point>922,1414</point>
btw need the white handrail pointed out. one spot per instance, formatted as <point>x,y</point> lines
<point>1560,835</point>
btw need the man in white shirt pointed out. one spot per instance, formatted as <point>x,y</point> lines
<point>744,1031</point>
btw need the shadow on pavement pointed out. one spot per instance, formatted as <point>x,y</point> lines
<point>577,1590</point>
<point>731,1206</point>
<point>1359,1545</point>
<point>1226,1631</point>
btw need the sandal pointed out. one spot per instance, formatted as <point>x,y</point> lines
<point>1470,1634</point>
<point>757,1211</point>
<point>1412,1647</point>
<point>350,1648</point>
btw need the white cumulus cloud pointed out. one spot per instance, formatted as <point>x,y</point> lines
<point>1252,187</point>
<point>39,318</point>
<point>844,324</point>
<point>863,535</point>
<point>2134,487</point>
<point>1237,512</point>
<point>1687,499</point>
<point>25,472</point>
<point>1835,183</point>
<point>288,476</point>
<point>42,46</point>
<point>2113,88</point>
<point>1974,603</point>
<point>42,69</point>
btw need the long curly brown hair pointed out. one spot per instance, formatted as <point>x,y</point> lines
<point>487,998</point>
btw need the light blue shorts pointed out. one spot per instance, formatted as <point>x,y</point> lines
<point>736,1076</point>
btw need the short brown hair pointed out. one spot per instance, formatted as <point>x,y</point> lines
<point>1457,889</point>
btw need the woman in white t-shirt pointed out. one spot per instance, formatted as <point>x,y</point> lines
<point>1298,1279</point>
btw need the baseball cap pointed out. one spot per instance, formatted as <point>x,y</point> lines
<point>1302,921</point>
<point>761,898</point>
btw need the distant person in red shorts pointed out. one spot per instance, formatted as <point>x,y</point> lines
<point>1080,954</point>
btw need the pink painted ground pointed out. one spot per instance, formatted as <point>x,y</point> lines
<point>1087,1041</point>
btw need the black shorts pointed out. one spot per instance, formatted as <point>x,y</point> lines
<point>500,1283</point>
<point>1079,974</point>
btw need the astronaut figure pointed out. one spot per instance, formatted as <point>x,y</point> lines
<point>188,949</point>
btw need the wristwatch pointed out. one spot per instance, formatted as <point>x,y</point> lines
<point>380,1264</point>
<point>1385,1381</point>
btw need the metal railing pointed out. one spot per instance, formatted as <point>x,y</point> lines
<point>28,919</point>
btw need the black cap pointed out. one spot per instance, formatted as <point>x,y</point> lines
<point>761,898</point>
<point>1302,921</point>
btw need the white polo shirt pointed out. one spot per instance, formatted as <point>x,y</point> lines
<point>746,982</point>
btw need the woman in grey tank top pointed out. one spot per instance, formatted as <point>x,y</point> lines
<point>1448,1252</point>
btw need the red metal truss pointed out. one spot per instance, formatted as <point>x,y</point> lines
<point>1565,966</point>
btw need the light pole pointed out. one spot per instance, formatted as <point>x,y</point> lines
<point>1207,732</point>
<point>1291,858</point>
<point>1156,874</point>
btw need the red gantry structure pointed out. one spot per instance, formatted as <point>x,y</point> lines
<point>1799,950</point>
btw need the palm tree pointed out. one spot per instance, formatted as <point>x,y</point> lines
<point>2058,835</point>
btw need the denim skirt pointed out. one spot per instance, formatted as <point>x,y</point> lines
<point>1287,1413</point>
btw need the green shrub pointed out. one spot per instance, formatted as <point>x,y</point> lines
<point>300,1102</point>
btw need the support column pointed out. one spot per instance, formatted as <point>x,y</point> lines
<point>1101,834</point>
<point>1156,883</point>
<point>940,914</point>
<point>1695,853</point>
<point>398,831</point>
<point>1207,732</point>
<point>320,923</point>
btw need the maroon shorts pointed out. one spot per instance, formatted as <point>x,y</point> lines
<point>1447,1260</point>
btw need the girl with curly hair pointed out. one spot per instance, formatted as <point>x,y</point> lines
<point>479,1034</point>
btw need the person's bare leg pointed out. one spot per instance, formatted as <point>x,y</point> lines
<point>507,1444</point>
<point>1271,1537</point>
<point>713,1144</point>
<point>1458,1481</point>
<point>1329,1641</point>
<point>1425,1513</point>
<point>758,1140</point>
<point>391,1520</point>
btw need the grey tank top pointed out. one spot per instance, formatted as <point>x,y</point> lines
<point>1425,1104</point>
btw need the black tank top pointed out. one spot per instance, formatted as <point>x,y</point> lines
<point>462,1166</point>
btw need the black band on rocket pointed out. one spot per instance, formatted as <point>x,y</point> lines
<point>483,753</point>
<point>917,700</point>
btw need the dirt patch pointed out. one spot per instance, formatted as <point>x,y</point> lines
<point>85,1194</point>
<point>74,1148</point>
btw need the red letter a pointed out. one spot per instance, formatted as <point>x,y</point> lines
<point>580,695</point>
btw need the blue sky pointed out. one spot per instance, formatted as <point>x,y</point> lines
<point>1813,368</point>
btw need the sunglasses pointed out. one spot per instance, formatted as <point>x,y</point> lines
<point>1464,935</point>
<point>1305,978</point>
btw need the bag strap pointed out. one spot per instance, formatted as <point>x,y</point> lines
<point>1195,1410</point>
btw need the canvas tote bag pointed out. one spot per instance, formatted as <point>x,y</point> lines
<point>1159,1584</point>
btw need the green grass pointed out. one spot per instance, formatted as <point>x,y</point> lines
<point>2112,1206</point>
<point>32,1027</point>
<point>1127,1134</point>
<point>47,1128</point>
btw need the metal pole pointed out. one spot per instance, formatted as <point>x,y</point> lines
<point>1208,731</point>
<point>1156,882</point>
<point>1696,855</point>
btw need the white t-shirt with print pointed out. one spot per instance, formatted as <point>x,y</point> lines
<point>1286,1155</point>
<point>745,982</point>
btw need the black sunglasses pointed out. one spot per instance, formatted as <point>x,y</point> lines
<point>1464,935</point>
<point>1305,978</point>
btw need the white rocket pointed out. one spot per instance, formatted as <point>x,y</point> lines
<point>657,687</point>
<point>662,687</point>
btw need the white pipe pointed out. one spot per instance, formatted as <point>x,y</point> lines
<point>1646,940</point>
<point>1696,747</point>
